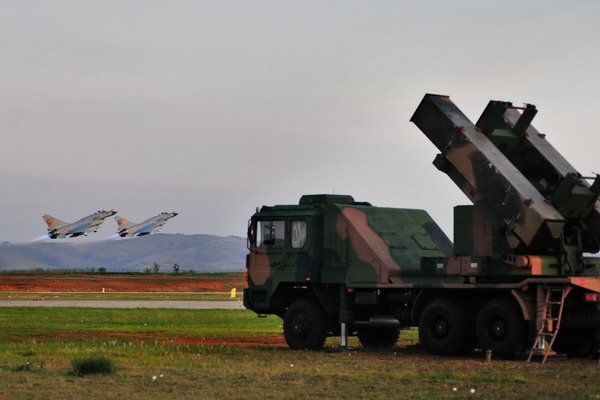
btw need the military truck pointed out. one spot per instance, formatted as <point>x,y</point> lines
<point>518,276</point>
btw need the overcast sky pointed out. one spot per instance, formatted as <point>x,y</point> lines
<point>212,108</point>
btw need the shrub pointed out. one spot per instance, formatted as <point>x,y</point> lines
<point>22,367</point>
<point>92,365</point>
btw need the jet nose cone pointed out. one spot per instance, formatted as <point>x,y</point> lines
<point>175,214</point>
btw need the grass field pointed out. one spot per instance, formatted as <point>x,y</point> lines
<point>230,354</point>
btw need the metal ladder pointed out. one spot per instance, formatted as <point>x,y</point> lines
<point>549,316</point>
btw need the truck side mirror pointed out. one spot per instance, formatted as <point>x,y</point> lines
<point>251,235</point>
<point>269,235</point>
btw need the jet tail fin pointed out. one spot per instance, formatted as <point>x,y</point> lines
<point>122,222</point>
<point>52,222</point>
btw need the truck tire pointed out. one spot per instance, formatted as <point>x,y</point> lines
<point>378,337</point>
<point>445,327</point>
<point>575,342</point>
<point>304,325</point>
<point>501,328</point>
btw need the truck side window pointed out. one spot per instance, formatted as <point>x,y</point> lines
<point>298,234</point>
<point>270,234</point>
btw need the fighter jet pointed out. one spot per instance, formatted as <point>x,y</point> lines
<point>148,227</point>
<point>60,229</point>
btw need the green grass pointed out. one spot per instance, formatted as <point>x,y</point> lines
<point>36,365</point>
<point>18,322</point>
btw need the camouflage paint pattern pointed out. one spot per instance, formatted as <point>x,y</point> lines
<point>259,270</point>
<point>532,217</point>
<point>382,244</point>
<point>485,175</point>
<point>364,245</point>
<point>543,165</point>
<point>370,248</point>
<point>349,243</point>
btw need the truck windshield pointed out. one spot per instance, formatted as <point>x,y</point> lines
<point>270,234</point>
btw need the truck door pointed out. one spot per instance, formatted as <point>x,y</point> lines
<point>297,264</point>
<point>267,249</point>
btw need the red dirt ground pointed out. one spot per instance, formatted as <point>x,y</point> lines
<point>271,340</point>
<point>160,338</point>
<point>120,282</point>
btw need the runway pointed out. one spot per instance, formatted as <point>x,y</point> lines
<point>181,304</point>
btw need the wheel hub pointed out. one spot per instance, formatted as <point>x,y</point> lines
<point>440,327</point>
<point>498,328</point>
<point>300,326</point>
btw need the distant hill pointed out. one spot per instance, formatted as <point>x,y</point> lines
<point>201,253</point>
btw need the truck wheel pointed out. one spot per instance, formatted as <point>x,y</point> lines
<point>304,325</point>
<point>500,327</point>
<point>575,342</point>
<point>378,337</point>
<point>445,327</point>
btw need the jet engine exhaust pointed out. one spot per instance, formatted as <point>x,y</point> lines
<point>39,239</point>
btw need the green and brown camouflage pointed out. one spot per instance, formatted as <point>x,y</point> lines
<point>331,264</point>
<point>545,167</point>
<point>485,175</point>
<point>331,239</point>
<point>520,185</point>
